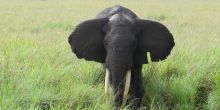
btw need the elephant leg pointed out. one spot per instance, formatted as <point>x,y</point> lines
<point>137,90</point>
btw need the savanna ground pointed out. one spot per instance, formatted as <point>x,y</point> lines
<point>39,71</point>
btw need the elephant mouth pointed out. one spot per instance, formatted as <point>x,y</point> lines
<point>126,84</point>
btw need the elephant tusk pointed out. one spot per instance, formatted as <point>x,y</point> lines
<point>107,85</point>
<point>127,84</point>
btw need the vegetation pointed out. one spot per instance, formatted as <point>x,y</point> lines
<point>39,71</point>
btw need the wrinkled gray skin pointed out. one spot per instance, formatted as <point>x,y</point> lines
<point>120,40</point>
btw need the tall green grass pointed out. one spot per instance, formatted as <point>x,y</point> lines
<point>39,71</point>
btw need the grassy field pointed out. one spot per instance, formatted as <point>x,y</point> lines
<point>39,71</point>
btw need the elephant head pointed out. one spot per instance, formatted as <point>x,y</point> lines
<point>121,42</point>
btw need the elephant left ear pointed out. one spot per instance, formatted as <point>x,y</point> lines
<point>155,38</point>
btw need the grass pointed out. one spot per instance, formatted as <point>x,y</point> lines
<point>39,71</point>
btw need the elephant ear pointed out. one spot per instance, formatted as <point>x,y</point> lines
<point>155,38</point>
<point>87,40</point>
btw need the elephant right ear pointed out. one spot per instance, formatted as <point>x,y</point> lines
<point>87,40</point>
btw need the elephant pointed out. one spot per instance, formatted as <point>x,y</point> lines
<point>120,40</point>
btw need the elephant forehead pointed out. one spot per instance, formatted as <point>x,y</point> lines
<point>120,17</point>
